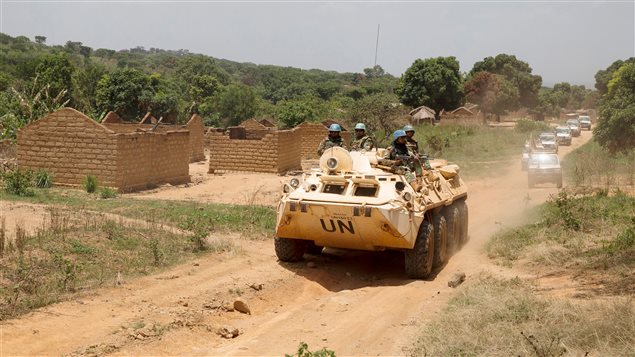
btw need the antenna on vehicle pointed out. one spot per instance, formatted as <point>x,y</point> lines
<point>377,44</point>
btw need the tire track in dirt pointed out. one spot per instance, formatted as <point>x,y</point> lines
<point>355,303</point>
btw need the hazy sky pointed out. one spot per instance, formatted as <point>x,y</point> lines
<point>561,40</point>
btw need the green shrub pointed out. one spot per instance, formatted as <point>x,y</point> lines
<point>18,182</point>
<point>528,126</point>
<point>43,179</point>
<point>107,192</point>
<point>90,183</point>
<point>303,351</point>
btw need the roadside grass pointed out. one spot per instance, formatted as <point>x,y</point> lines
<point>498,317</point>
<point>590,237</point>
<point>77,251</point>
<point>250,221</point>
<point>592,166</point>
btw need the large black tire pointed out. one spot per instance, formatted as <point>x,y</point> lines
<point>451,214</point>
<point>440,240</point>
<point>290,250</point>
<point>313,248</point>
<point>463,218</point>
<point>419,260</point>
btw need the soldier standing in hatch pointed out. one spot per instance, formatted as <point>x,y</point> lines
<point>410,141</point>
<point>334,139</point>
<point>402,159</point>
<point>362,141</point>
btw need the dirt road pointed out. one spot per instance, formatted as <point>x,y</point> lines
<point>355,303</point>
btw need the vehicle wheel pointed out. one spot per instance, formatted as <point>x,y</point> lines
<point>418,260</point>
<point>290,250</point>
<point>440,240</point>
<point>463,219</point>
<point>452,221</point>
<point>314,249</point>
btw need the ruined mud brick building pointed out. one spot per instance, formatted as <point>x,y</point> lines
<point>71,146</point>
<point>195,126</point>
<point>255,147</point>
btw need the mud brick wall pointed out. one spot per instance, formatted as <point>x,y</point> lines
<point>146,160</point>
<point>289,150</point>
<point>197,138</point>
<point>311,135</point>
<point>70,146</point>
<point>277,152</point>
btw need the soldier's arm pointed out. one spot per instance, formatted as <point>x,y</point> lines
<point>320,149</point>
<point>368,144</point>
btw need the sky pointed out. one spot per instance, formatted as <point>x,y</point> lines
<point>563,41</point>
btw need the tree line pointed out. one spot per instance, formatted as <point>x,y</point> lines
<point>36,78</point>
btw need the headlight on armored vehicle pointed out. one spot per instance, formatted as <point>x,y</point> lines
<point>294,182</point>
<point>407,196</point>
<point>331,163</point>
<point>286,188</point>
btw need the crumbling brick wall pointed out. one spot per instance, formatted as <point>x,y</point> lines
<point>197,138</point>
<point>311,135</point>
<point>277,152</point>
<point>71,146</point>
<point>149,159</point>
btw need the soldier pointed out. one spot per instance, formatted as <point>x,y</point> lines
<point>361,141</point>
<point>410,141</point>
<point>402,159</point>
<point>334,139</point>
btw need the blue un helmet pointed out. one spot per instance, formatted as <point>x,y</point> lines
<point>398,133</point>
<point>408,128</point>
<point>360,126</point>
<point>335,127</point>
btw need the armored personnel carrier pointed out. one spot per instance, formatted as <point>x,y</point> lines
<point>353,202</point>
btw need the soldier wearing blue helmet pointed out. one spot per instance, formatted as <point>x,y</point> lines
<point>362,141</point>
<point>410,141</point>
<point>402,159</point>
<point>332,140</point>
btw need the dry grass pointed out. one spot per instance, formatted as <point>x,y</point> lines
<point>591,238</point>
<point>494,317</point>
<point>77,251</point>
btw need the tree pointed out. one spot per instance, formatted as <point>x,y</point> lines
<point>85,81</point>
<point>294,112</point>
<point>433,82</point>
<point>616,128</point>
<point>56,71</point>
<point>547,104</point>
<point>493,93</point>
<point>125,91</point>
<point>40,39</point>
<point>602,77</point>
<point>374,72</point>
<point>235,103</point>
<point>379,111</point>
<point>516,72</point>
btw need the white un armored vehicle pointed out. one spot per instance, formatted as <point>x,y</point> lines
<point>352,202</point>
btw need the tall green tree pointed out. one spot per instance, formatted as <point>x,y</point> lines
<point>235,103</point>
<point>295,111</point>
<point>616,127</point>
<point>602,77</point>
<point>128,92</point>
<point>517,72</point>
<point>57,71</point>
<point>433,82</point>
<point>493,93</point>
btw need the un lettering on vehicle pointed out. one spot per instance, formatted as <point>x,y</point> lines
<point>330,225</point>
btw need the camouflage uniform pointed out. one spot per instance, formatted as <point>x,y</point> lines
<point>365,143</point>
<point>329,143</point>
<point>409,168</point>
<point>412,145</point>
